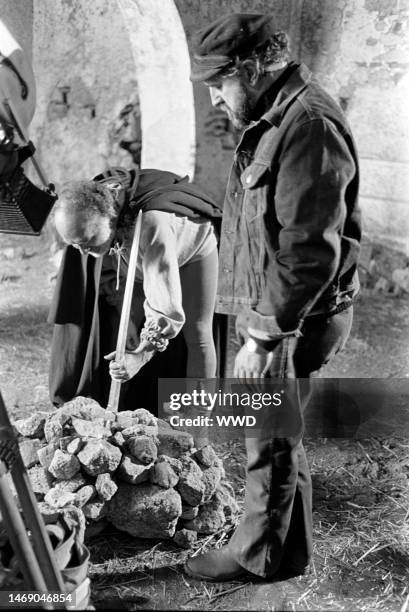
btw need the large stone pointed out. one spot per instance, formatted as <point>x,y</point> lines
<point>174,443</point>
<point>46,454</point>
<point>210,519</point>
<point>91,429</point>
<point>206,456</point>
<point>176,464</point>
<point>40,478</point>
<point>84,495</point>
<point>211,477</point>
<point>64,465</point>
<point>29,451</point>
<point>140,430</point>
<point>99,456</point>
<point>105,486</point>
<point>53,430</point>
<point>163,424</point>
<point>185,538</point>
<point>95,510</point>
<point>86,408</point>
<point>33,426</point>
<point>133,472</point>
<point>143,448</point>
<point>190,485</point>
<point>147,511</point>
<point>126,419</point>
<point>144,417</point>
<point>164,475</point>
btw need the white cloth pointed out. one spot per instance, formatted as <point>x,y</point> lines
<point>168,242</point>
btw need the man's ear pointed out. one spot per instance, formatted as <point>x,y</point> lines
<point>250,71</point>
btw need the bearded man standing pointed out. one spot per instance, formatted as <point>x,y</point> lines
<point>288,269</point>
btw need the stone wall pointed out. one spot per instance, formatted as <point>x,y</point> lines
<point>93,59</point>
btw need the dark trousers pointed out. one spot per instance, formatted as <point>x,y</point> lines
<point>275,532</point>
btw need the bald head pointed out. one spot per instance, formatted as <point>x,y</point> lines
<point>85,217</point>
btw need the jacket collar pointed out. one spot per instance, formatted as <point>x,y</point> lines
<point>295,84</point>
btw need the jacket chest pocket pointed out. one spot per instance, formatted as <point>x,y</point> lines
<point>254,180</point>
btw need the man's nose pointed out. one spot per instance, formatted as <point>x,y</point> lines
<point>215,96</point>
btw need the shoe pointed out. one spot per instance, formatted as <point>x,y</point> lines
<point>216,565</point>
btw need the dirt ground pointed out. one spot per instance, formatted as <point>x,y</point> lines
<point>361,501</point>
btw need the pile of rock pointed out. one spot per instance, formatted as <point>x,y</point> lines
<point>129,468</point>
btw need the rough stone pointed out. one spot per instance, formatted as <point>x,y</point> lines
<point>65,441</point>
<point>189,512</point>
<point>46,454</point>
<point>211,477</point>
<point>64,465</point>
<point>140,430</point>
<point>84,495</point>
<point>174,443</point>
<point>185,538</point>
<point>210,518</point>
<point>125,419</point>
<point>164,475</point>
<point>62,487</point>
<point>53,430</point>
<point>143,448</point>
<point>133,472</point>
<point>40,478</point>
<point>147,511</point>
<point>91,429</point>
<point>33,426</point>
<point>29,451</point>
<point>176,464</point>
<point>105,486</point>
<point>117,440</point>
<point>163,424</point>
<point>190,485</point>
<point>75,446</point>
<point>144,417</point>
<point>206,456</point>
<point>95,510</point>
<point>99,456</point>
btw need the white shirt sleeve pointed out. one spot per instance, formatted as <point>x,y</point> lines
<point>158,257</point>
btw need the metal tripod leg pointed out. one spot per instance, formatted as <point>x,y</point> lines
<point>38,567</point>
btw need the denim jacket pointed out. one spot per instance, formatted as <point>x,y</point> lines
<point>291,223</point>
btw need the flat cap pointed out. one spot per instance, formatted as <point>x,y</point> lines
<point>232,36</point>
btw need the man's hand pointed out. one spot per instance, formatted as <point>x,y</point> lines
<point>249,365</point>
<point>133,362</point>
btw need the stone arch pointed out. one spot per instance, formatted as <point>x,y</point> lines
<point>106,57</point>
